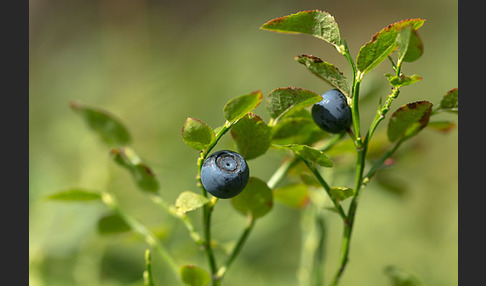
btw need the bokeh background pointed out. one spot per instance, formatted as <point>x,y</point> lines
<point>155,63</point>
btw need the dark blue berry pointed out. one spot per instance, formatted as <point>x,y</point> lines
<point>224,174</point>
<point>332,113</point>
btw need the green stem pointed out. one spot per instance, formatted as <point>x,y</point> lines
<point>182,216</point>
<point>327,189</point>
<point>236,250</point>
<point>348,227</point>
<point>380,162</point>
<point>136,226</point>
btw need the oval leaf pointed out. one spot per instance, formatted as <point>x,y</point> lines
<point>442,126</point>
<point>317,23</point>
<point>408,120</point>
<point>311,155</point>
<point>240,106</point>
<point>402,80</point>
<point>194,276</point>
<point>112,223</point>
<point>252,136</point>
<point>326,71</point>
<point>255,200</point>
<point>294,195</point>
<point>297,130</point>
<point>111,130</point>
<point>401,277</point>
<point>410,46</point>
<point>281,100</point>
<point>197,134</point>
<point>142,174</point>
<point>450,101</point>
<point>341,193</point>
<point>75,195</point>
<point>382,44</point>
<point>189,201</point>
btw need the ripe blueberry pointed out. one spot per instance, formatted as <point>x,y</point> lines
<point>332,113</point>
<point>224,174</point>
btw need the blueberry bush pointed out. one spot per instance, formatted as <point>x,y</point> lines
<point>305,127</point>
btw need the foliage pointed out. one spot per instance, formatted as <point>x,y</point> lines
<point>289,132</point>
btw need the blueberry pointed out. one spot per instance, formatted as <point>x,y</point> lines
<point>224,174</point>
<point>332,113</point>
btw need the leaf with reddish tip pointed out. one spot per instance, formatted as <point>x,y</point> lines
<point>197,134</point>
<point>317,23</point>
<point>382,44</point>
<point>281,100</point>
<point>408,120</point>
<point>326,71</point>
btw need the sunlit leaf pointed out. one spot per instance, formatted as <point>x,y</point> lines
<point>252,136</point>
<point>326,71</point>
<point>194,276</point>
<point>109,128</point>
<point>75,195</point>
<point>282,100</point>
<point>450,101</point>
<point>410,46</point>
<point>255,200</point>
<point>408,120</point>
<point>402,80</point>
<point>112,223</point>
<point>141,173</point>
<point>317,23</point>
<point>197,134</point>
<point>382,44</point>
<point>238,107</point>
<point>189,201</point>
<point>341,193</point>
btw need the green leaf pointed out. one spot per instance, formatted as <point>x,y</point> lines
<point>402,80</point>
<point>282,100</point>
<point>142,174</point>
<point>188,201</point>
<point>194,276</point>
<point>112,223</point>
<point>147,274</point>
<point>450,101</point>
<point>255,200</point>
<point>382,44</point>
<point>311,155</point>
<point>297,130</point>
<point>75,195</point>
<point>294,195</point>
<point>410,46</point>
<point>317,23</point>
<point>238,107</point>
<point>341,193</point>
<point>197,134</point>
<point>252,136</point>
<point>408,120</point>
<point>326,71</point>
<point>442,126</point>
<point>111,130</point>
<point>400,277</point>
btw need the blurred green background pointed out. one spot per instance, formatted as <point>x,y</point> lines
<point>155,63</point>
